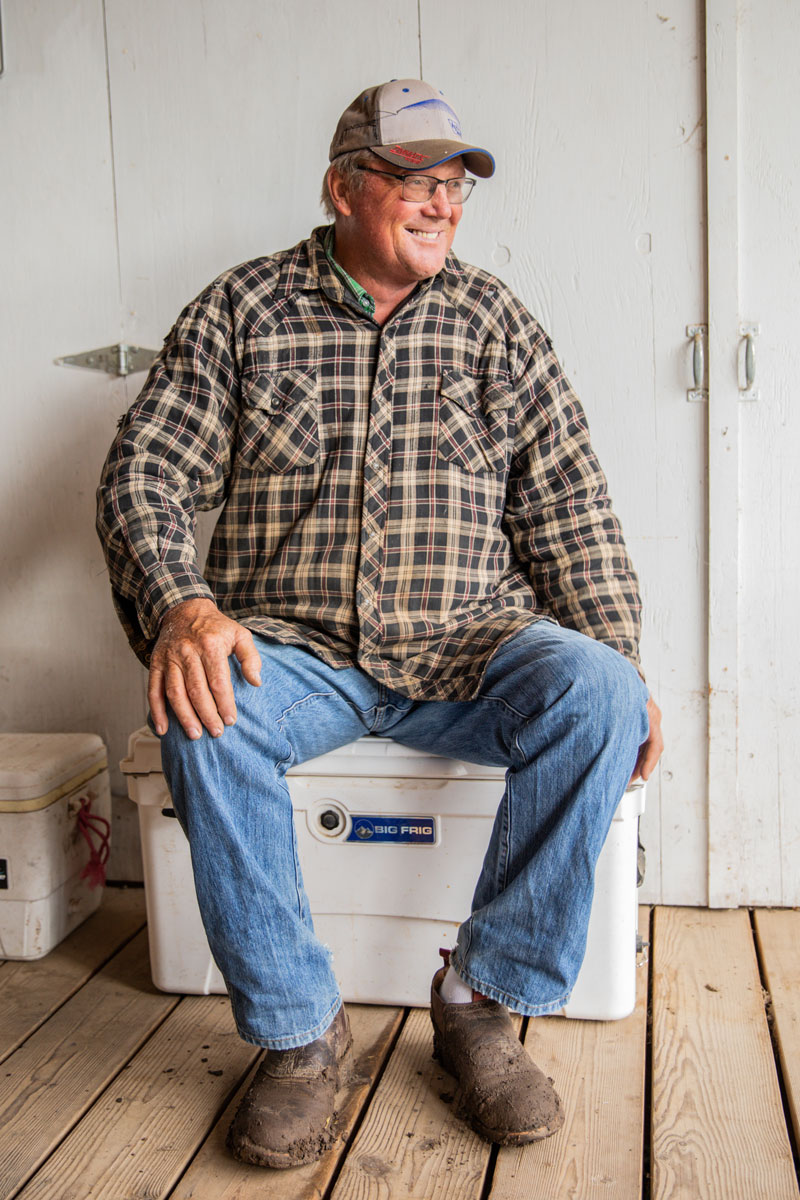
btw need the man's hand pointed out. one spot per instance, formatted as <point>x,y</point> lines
<point>189,667</point>
<point>650,750</point>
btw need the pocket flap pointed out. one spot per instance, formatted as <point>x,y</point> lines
<point>464,391</point>
<point>475,395</point>
<point>497,397</point>
<point>273,393</point>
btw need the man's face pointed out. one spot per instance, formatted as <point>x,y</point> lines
<point>398,242</point>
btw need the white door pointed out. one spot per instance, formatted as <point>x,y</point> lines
<point>755,824</point>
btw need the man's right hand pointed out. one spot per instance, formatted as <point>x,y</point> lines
<point>189,668</point>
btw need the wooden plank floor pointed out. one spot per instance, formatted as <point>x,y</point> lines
<point>111,1090</point>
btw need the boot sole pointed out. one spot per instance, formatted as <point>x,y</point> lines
<point>257,1156</point>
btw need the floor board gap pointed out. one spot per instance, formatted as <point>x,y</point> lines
<point>488,1178</point>
<point>773,1037</point>
<point>329,1190</point>
<point>647,1115</point>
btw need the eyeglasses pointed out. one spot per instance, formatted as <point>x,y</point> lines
<point>419,188</point>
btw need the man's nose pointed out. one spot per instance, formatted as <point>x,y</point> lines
<point>439,202</point>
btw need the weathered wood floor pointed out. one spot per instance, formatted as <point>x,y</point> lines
<point>110,1089</point>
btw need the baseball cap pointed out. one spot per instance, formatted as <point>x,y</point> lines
<point>409,123</point>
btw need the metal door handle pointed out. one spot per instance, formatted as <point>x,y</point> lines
<point>749,333</point>
<point>698,334</point>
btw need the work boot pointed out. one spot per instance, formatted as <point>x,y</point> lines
<point>506,1098</point>
<point>286,1117</point>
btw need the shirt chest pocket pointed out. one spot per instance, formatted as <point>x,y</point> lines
<point>474,419</point>
<point>279,426</point>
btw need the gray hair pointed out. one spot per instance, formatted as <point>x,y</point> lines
<point>347,168</point>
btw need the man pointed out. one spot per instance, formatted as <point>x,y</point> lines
<point>416,541</point>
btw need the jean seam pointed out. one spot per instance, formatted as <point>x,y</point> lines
<point>506,834</point>
<point>299,703</point>
<point>379,712</point>
<point>458,955</point>
<point>282,767</point>
<point>503,704</point>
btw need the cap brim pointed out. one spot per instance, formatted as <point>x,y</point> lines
<point>416,156</point>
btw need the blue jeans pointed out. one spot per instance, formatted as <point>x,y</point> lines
<point>563,713</point>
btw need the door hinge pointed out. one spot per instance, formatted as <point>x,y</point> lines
<point>120,359</point>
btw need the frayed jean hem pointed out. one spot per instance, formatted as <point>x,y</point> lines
<point>546,1008</point>
<point>292,1041</point>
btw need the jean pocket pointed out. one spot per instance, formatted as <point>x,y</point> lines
<point>474,415</point>
<point>279,425</point>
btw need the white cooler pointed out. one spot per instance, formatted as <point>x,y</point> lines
<point>53,786</point>
<point>391,842</point>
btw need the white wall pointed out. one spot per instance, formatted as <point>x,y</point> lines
<point>146,147</point>
<point>64,665</point>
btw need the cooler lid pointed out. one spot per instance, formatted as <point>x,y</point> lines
<point>36,769</point>
<point>385,758</point>
<point>369,755</point>
<point>144,753</point>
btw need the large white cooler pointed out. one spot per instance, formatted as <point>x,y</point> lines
<point>53,786</point>
<point>391,842</point>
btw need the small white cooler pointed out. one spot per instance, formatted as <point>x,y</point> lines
<point>55,808</point>
<point>391,842</point>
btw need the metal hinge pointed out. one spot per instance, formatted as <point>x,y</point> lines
<point>120,359</point>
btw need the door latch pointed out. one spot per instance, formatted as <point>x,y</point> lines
<point>698,334</point>
<point>747,361</point>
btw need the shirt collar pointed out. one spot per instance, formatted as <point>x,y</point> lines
<point>311,268</point>
<point>361,294</point>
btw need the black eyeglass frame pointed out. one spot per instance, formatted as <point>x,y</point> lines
<point>466,181</point>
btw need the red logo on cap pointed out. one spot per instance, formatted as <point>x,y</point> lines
<point>409,155</point>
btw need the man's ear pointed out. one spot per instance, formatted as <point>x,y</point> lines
<point>339,192</point>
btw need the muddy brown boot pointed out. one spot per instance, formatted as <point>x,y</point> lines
<point>506,1098</point>
<point>286,1117</point>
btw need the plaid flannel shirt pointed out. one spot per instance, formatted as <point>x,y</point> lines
<point>402,497</point>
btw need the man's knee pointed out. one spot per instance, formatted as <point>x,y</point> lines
<point>612,692</point>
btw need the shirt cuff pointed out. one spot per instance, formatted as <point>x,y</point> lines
<point>163,589</point>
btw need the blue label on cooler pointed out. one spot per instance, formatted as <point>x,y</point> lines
<point>405,831</point>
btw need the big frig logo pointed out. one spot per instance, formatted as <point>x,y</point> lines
<point>407,831</point>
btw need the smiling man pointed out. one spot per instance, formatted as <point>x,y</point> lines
<point>415,540</point>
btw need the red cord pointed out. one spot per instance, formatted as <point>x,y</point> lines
<point>93,826</point>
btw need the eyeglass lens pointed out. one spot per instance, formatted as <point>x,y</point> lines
<point>422,187</point>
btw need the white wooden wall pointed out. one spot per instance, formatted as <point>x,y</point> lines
<point>755,815</point>
<point>146,147</point>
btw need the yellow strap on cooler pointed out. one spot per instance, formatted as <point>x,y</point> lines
<point>37,802</point>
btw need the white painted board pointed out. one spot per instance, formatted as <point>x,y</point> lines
<point>65,663</point>
<point>596,219</point>
<point>766,845</point>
